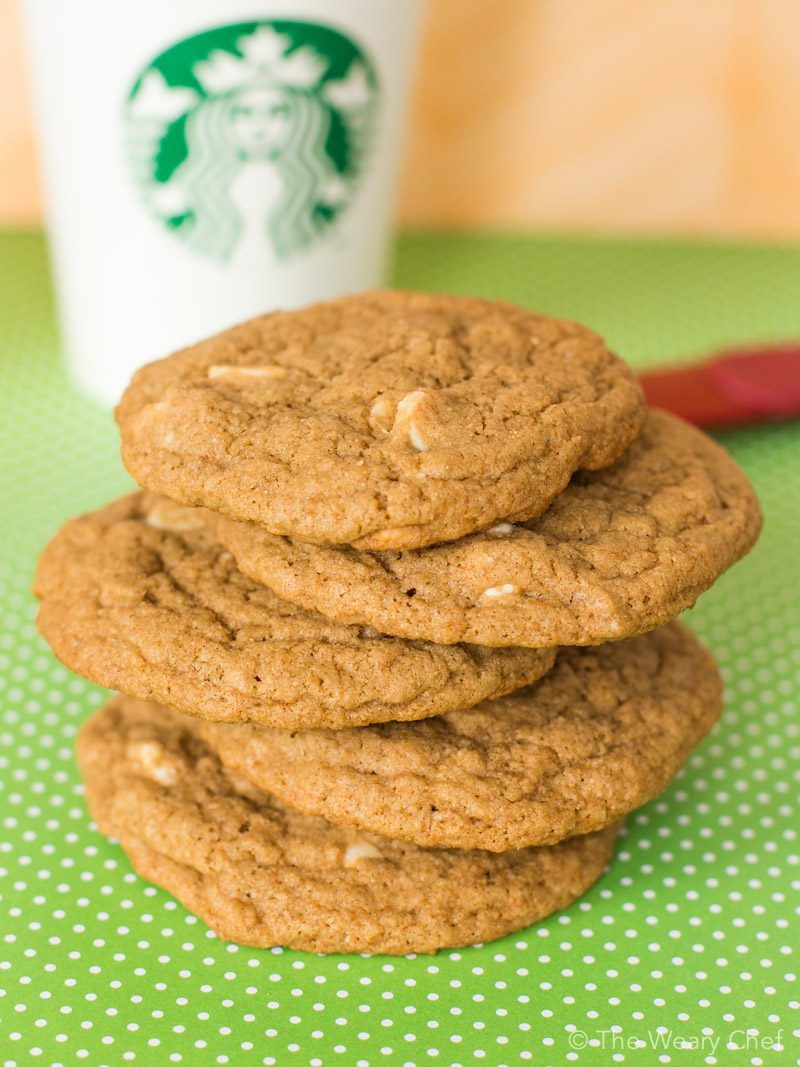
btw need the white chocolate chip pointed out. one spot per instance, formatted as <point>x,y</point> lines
<point>499,590</point>
<point>234,370</point>
<point>360,850</point>
<point>157,418</point>
<point>168,516</point>
<point>416,438</point>
<point>501,529</point>
<point>381,413</point>
<point>155,762</point>
<point>404,424</point>
<point>369,631</point>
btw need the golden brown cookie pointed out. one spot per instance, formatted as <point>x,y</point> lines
<point>140,596</point>
<point>604,732</point>
<point>619,552</point>
<point>262,874</point>
<point>386,420</point>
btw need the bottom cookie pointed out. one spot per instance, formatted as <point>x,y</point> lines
<point>261,874</point>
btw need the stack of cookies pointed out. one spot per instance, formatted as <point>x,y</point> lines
<point>392,617</point>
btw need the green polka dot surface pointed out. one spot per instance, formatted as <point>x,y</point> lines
<point>686,951</point>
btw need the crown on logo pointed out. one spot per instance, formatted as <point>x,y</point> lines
<point>263,59</point>
<point>351,92</point>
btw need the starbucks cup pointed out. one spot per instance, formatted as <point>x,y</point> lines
<point>207,160</point>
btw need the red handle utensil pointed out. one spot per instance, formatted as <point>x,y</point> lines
<point>757,383</point>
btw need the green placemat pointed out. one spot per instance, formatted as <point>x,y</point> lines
<point>686,952</point>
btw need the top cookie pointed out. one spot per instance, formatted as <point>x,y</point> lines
<point>386,421</point>
<point>618,553</point>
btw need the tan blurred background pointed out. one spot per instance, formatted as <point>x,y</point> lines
<point>649,115</point>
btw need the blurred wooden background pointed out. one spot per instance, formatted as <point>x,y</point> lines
<point>653,115</point>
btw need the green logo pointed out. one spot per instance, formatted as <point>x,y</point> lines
<point>251,132</point>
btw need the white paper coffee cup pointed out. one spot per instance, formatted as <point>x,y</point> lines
<point>207,160</point>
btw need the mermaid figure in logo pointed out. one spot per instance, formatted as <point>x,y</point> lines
<point>285,127</point>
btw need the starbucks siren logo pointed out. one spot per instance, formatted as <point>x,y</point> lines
<point>278,114</point>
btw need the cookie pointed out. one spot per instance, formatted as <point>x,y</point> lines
<point>262,874</point>
<point>140,596</point>
<point>387,420</point>
<point>619,552</point>
<point>604,732</point>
